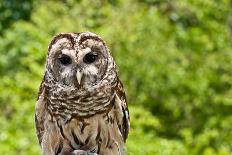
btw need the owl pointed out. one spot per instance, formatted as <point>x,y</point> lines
<point>81,107</point>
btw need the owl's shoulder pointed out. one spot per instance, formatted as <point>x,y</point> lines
<point>40,110</point>
<point>122,110</point>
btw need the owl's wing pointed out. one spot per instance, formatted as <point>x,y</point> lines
<point>40,112</point>
<point>124,122</point>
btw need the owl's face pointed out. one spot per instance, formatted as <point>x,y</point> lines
<point>77,60</point>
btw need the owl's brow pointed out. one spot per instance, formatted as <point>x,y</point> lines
<point>60,36</point>
<point>84,38</point>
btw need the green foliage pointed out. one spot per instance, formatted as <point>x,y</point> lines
<point>13,10</point>
<point>174,59</point>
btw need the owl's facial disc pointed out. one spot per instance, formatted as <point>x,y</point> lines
<point>79,63</point>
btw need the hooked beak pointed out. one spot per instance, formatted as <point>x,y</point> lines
<point>79,76</point>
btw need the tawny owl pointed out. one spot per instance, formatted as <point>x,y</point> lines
<point>81,106</point>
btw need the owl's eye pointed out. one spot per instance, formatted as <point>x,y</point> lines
<point>65,60</point>
<point>90,57</point>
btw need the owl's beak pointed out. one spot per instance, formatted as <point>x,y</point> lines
<point>79,76</point>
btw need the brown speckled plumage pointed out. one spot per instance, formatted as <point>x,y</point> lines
<point>81,107</point>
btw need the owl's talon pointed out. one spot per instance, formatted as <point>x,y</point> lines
<point>82,152</point>
<point>79,152</point>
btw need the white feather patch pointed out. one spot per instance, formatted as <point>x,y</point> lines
<point>90,70</point>
<point>69,52</point>
<point>66,72</point>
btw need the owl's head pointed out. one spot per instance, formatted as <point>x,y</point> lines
<point>78,59</point>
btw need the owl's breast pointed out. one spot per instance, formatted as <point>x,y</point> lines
<point>99,134</point>
<point>77,103</point>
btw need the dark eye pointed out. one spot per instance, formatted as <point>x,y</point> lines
<point>90,57</point>
<point>65,60</point>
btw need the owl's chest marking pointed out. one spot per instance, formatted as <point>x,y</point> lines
<point>98,134</point>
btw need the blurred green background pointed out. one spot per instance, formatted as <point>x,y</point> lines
<point>174,58</point>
